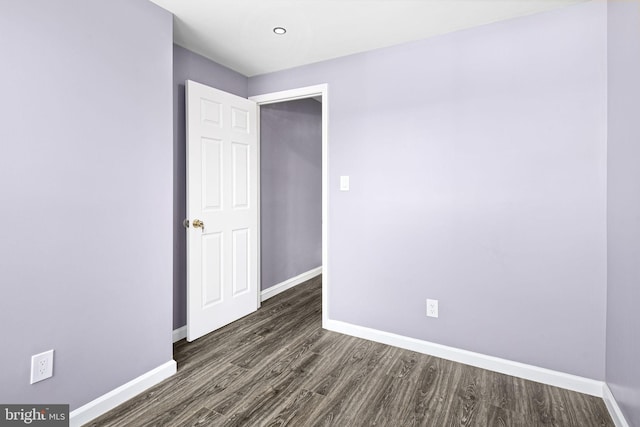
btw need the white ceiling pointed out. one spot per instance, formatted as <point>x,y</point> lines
<point>238,33</point>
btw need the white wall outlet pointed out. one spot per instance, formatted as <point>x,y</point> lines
<point>344,183</point>
<point>41,366</point>
<point>432,308</point>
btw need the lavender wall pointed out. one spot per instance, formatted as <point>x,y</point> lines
<point>189,66</point>
<point>623,317</point>
<point>478,169</point>
<point>85,190</point>
<point>290,189</point>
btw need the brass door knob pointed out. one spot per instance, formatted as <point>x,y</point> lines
<point>198,224</point>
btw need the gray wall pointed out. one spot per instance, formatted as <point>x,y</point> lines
<point>623,171</point>
<point>85,189</point>
<point>290,189</point>
<point>478,170</point>
<point>189,66</point>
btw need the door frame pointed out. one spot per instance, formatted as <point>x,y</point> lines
<point>292,95</point>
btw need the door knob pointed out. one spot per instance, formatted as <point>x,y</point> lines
<point>198,224</point>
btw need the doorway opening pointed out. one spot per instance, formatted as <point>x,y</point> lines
<point>318,93</point>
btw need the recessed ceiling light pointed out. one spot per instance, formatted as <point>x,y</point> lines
<point>279,30</point>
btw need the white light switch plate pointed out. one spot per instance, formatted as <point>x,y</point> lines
<point>344,183</point>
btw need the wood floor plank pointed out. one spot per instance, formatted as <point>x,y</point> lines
<point>335,366</point>
<point>203,418</point>
<point>589,408</point>
<point>298,410</point>
<point>275,337</point>
<point>384,405</point>
<point>544,404</point>
<point>254,393</point>
<point>495,416</point>
<point>262,407</point>
<point>504,391</point>
<point>428,390</point>
<point>469,394</point>
<point>278,367</point>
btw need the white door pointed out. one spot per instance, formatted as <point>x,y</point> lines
<point>222,207</point>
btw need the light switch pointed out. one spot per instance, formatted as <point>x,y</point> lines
<point>344,183</point>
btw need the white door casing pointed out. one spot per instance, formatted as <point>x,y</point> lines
<point>322,91</point>
<point>222,192</point>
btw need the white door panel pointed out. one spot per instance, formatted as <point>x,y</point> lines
<point>222,192</point>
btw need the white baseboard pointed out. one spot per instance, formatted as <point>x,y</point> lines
<point>115,397</point>
<point>180,333</point>
<point>496,364</point>
<point>288,284</point>
<point>614,409</point>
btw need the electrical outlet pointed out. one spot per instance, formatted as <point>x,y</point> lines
<point>432,308</point>
<point>41,366</point>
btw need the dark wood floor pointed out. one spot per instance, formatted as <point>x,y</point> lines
<point>279,367</point>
